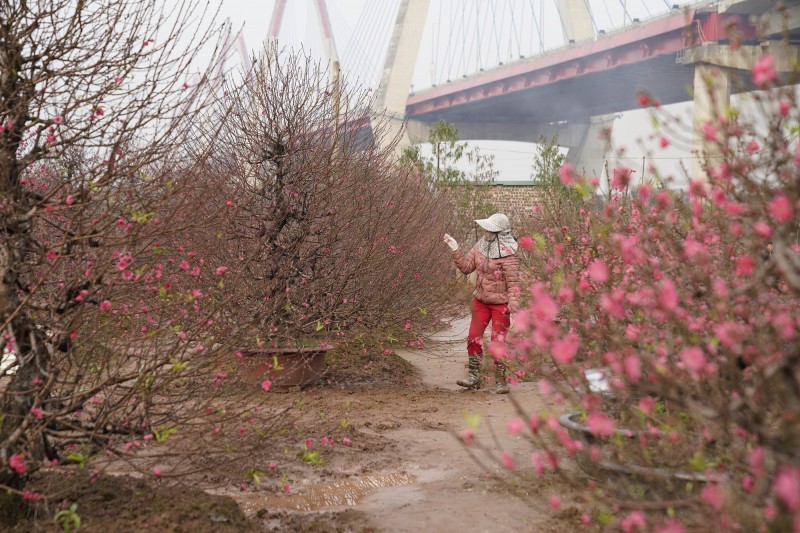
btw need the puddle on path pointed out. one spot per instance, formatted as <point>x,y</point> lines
<point>337,493</point>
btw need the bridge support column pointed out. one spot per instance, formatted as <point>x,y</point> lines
<point>711,98</point>
<point>589,155</point>
<point>398,71</point>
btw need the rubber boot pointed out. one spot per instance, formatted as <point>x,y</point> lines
<point>501,387</point>
<point>473,380</point>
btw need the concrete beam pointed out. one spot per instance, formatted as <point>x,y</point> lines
<point>743,57</point>
<point>712,94</point>
<point>589,156</point>
<point>569,134</point>
<point>773,24</point>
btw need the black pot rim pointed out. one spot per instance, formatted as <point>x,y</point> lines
<point>287,350</point>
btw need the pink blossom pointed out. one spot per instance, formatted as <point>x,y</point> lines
<point>709,131</point>
<point>598,271</point>
<point>600,425</point>
<point>744,265</point>
<point>613,303</point>
<point>52,255</point>
<point>156,471</point>
<point>663,142</point>
<point>787,487</point>
<point>124,262</point>
<point>713,496</point>
<point>668,295</point>
<point>347,442</point>
<point>17,463</point>
<point>764,73</point>
<point>515,426</point>
<point>545,387</point>
<point>30,496</point>
<point>266,384</point>
<point>635,521</point>
<point>184,265</point>
<point>693,359</point>
<point>780,208</point>
<point>763,229</point>
<point>538,464</point>
<point>633,368</point>
<point>58,120</point>
<point>564,350</point>
<point>555,503</point>
<point>37,412</point>
<point>105,305</point>
<point>621,179</point>
<point>498,350</point>
<point>783,108</point>
<point>221,270</point>
<point>508,461</point>
<point>671,527</point>
<point>753,147</point>
<point>567,174</point>
<point>467,436</point>
<point>526,243</point>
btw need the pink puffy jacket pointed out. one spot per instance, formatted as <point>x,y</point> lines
<point>498,279</point>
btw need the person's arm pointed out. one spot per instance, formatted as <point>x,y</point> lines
<point>465,262</point>
<point>511,273</point>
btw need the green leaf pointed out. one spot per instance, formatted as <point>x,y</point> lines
<point>604,518</point>
<point>164,434</point>
<point>473,419</point>
<point>177,366</point>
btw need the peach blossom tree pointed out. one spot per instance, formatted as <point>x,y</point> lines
<point>687,303</point>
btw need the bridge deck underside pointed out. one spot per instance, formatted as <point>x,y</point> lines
<point>575,99</point>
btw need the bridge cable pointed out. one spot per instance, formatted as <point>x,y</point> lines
<point>496,34</point>
<point>448,51</point>
<point>368,51</point>
<point>463,60</point>
<point>625,13</point>
<point>469,43</point>
<point>608,13</point>
<point>435,59</point>
<point>478,36</point>
<point>649,13</point>
<point>364,55</point>
<point>561,20</point>
<point>514,27</point>
<point>538,28</point>
<point>595,25</point>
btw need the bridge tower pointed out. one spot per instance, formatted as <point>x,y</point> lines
<point>398,70</point>
<point>576,20</point>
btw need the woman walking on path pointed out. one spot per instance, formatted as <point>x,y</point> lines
<point>496,293</point>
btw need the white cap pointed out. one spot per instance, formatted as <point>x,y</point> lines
<point>495,223</point>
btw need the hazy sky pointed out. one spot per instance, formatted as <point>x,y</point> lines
<point>460,37</point>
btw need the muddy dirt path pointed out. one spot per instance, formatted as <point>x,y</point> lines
<point>407,470</point>
<point>451,492</point>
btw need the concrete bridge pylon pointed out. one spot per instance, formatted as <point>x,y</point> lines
<point>398,70</point>
<point>576,20</point>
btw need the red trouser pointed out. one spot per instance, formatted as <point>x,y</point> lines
<point>481,314</point>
